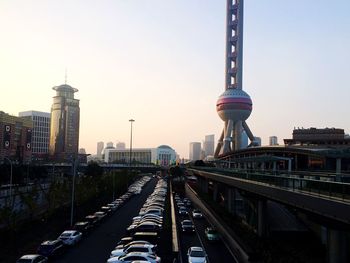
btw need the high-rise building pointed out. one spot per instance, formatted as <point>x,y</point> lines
<point>208,145</point>
<point>65,117</point>
<point>273,140</point>
<point>100,146</point>
<point>195,151</point>
<point>120,146</point>
<point>40,132</point>
<point>257,141</point>
<point>15,138</point>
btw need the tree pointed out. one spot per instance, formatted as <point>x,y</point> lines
<point>94,169</point>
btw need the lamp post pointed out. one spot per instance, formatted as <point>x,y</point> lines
<point>73,189</point>
<point>131,121</point>
<point>5,158</point>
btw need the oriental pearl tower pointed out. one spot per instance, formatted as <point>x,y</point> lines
<point>234,106</point>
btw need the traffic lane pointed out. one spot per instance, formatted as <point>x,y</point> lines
<point>97,246</point>
<point>187,240</point>
<point>216,251</point>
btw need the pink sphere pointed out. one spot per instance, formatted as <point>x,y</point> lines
<point>234,104</point>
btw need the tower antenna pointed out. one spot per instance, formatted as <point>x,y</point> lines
<point>65,77</point>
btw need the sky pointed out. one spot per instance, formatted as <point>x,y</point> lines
<point>162,64</point>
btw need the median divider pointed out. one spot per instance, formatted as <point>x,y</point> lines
<point>175,235</point>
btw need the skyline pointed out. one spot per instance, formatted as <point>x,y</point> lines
<point>117,50</point>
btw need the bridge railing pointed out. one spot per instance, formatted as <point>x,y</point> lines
<point>322,188</point>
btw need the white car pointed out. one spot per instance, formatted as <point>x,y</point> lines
<point>32,259</point>
<point>196,255</point>
<point>70,237</point>
<point>133,248</point>
<point>134,256</point>
<point>197,214</point>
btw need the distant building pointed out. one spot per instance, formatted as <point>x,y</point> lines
<point>163,155</point>
<point>65,117</point>
<point>273,140</point>
<point>244,140</point>
<point>195,151</point>
<point>319,137</point>
<point>100,146</point>
<point>208,145</point>
<point>82,151</point>
<point>257,141</point>
<point>120,146</point>
<point>40,132</point>
<point>109,145</point>
<point>15,138</point>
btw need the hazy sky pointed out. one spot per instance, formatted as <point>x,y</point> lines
<point>162,63</point>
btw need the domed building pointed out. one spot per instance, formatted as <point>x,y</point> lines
<point>164,155</point>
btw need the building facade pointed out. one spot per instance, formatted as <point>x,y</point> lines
<point>15,138</point>
<point>40,132</point>
<point>195,151</point>
<point>100,146</point>
<point>65,117</point>
<point>273,140</point>
<point>208,145</point>
<point>163,155</point>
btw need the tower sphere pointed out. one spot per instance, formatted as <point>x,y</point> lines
<point>234,104</point>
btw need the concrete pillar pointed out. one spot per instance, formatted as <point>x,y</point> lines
<point>274,168</point>
<point>231,197</point>
<point>337,246</point>
<point>289,165</point>
<point>262,218</point>
<point>205,185</point>
<point>215,191</point>
<point>338,170</point>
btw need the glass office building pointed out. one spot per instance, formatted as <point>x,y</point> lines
<point>65,116</point>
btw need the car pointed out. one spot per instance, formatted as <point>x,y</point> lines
<point>133,256</point>
<point>106,209</point>
<point>136,242</point>
<point>51,248</point>
<point>197,213</point>
<point>125,240</point>
<point>70,237</point>
<point>187,226</point>
<point>183,211</point>
<point>92,219</point>
<point>133,248</point>
<point>100,215</point>
<point>196,255</point>
<point>151,237</point>
<point>211,234</point>
<point>33,258</point>
<point>83,227</point>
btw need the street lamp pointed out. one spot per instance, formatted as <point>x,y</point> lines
<point>75,160</point>
<point>5,158</point>
<point>131,121</point>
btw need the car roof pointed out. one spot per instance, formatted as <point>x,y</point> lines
<point>30,256</point>
<point>49,242</point>
<point>196,249</point>
<point>69,232</point>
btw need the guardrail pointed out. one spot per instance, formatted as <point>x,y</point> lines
<point>321,188</point>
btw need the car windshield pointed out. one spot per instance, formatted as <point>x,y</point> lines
<point>187,223</point>
<point>197,254</point>
<point>65,234</point>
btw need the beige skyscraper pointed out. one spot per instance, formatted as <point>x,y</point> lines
<point>65,116</point>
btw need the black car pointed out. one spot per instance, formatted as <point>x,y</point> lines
<point>51,248</point>
<point>83,227</point>
<point>187,226</point>
<point>92,219</point>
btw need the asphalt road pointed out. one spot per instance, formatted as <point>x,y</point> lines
<point>216,251</point>
<point>96,247</point>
